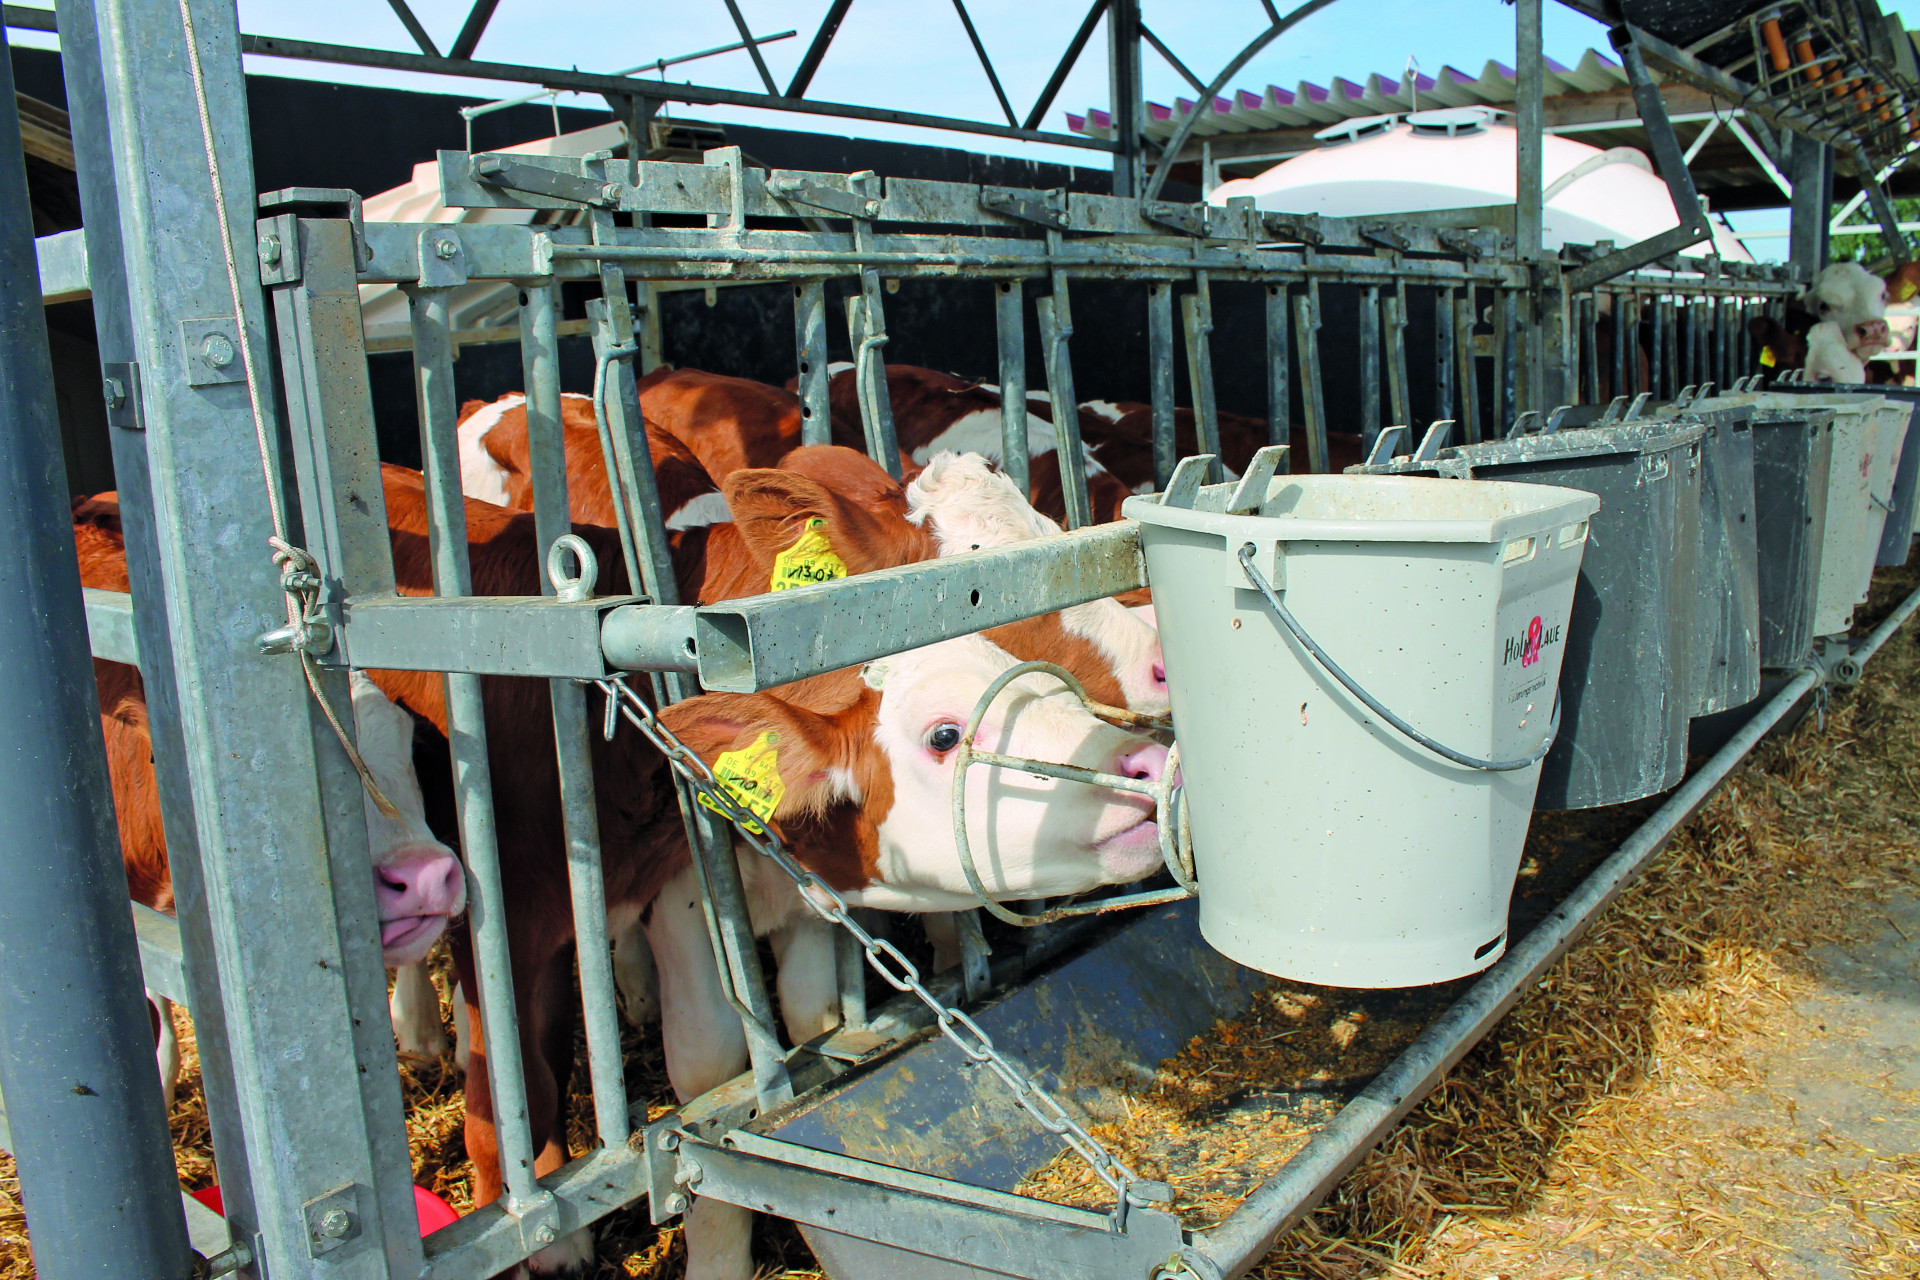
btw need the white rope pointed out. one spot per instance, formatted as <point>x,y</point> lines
<point>297,565</point>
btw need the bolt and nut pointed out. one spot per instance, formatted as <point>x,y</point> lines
<point>335,1223</point>
<point>115,392</point>
<point>445,249</point>
<point>270,249</point>
<point>545,1234</point>
<point>217,350</point>
<point>678,1202</point>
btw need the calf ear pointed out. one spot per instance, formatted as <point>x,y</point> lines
<point>774,509</point>
<point>750,739</point>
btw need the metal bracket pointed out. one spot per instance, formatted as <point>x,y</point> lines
<point>1434,441</point>
<point>1835,657</point>
<point>1049,211</point>
<point>848,204</point>
<point>277,241</point>
<point>1386,444</point>
<point>120,388</point>
<point>511,175</point>
<point>443,260</point>
<point>1385,236</point>
<point>212,349</point>
<point>332,1219</point>
<point>1465,243</point>
<point>1189,219</point>
<point>322,202</point>
<point>1304,227</point>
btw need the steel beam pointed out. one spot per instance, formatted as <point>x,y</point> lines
<point>88,1129</point>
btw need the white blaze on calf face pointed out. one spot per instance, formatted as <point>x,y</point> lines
<point>418,883</point>
<point>969,506</point>
<point>1032,836</point>
<point>480,476</point>
<point>1854,300</point>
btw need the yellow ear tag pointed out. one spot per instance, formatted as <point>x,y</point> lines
<point>810,560</point>
<point>1906,289</point>
<point>1766,357</point>
<point>751,776</point>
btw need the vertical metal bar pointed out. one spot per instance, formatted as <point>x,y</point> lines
<point>301,973</point>
<point>1056,328</point>
<point>1466,365</point>
<point>1443,361</point>
<point>1590,348</point>
<point>1369,366</point>
<point>810,347</point>
<point>1725,311</point>
<point>976,975</point>
<point>1669,349</point>
<point>1196,315</point>
<point>1747,313</point>
<point>1626,342</point>
<point>1010,337</point>
<point>1306,332</point>
<point>1125,94</point>
<point>343,514</point>
<point>1702,350</point>
<point>76,1062</point>
<point>1399,399</point>
<point>1810,169</point>
<point>867,327</point>
<point>467,743</point>
<point>1896,240</point>
<point>1684,345</point>
<point>1166,445</point>
<point>1279,381</point>
<point>580,817</point>
<point>1504,392</point>
<point>113,327</point>
<point>850,970</point>
<point>647,329</point>
<point>1530,117</point>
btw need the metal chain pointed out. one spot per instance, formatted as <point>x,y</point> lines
<point>886,960</point>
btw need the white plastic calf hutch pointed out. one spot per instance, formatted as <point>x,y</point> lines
<point>230,332</point>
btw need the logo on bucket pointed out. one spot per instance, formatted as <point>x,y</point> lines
<point>1527,648</point>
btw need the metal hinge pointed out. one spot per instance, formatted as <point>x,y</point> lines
<point>1188,218</point>
<point>1049,211</point>
<point>1304,227</point>
<point>848,204</point>
<point>511,175</point>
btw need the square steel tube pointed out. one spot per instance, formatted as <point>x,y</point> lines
<point>765,641</point>
<point>481,635</point>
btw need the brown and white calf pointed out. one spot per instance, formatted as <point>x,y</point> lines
<point>419,884</point>
<point>865,758</point>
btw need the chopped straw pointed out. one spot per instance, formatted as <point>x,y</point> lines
<point>1616,1122</point>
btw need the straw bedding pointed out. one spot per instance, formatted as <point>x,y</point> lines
<point>1623,1120</point>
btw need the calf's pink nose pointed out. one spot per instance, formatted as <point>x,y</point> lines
<point>1159,672</point>
<point>1146,762</point>
<point>419,882</point>
<point>1870,333</point>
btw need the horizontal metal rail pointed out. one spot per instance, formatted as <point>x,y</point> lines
<point>1230,1248</point>
<point>63,266</point>
<point>763,641</point>
<point>110,626</point>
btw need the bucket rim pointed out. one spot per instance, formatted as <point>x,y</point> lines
<point>1548,506</point>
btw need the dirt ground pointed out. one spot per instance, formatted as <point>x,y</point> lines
<point>1720,1081</point>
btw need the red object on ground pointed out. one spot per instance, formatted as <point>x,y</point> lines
<point>434,1213</point>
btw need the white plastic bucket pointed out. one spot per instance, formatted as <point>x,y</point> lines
<point>1330,847</point>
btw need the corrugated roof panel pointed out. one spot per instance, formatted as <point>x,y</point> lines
<point>1310,104</point>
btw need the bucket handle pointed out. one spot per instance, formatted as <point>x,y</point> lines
<point>1374,704</point>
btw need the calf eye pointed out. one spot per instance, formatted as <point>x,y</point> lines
<point>943,738</point>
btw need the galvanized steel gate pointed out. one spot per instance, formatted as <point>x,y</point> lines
<point>216,309</point>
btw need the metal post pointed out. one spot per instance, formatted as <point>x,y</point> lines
<point>1369,367</point>
<point>1056,327</point>
<point>1530,117</point>
<point>1124,94</point>
<point>1306,332</point>
<point>1670,349</point>
<point>1590,349</point>
<point>1010,336</point>
<point>1809,169</point>
<point>1626,340</point>
<point>867,327</point>
<point>76,1060</point>
<point>307,972</point>
<point>1467,365</point>
<point>113,328</point>
<point>1166,445</point>
<point>467,743</point>
<point>1686,348</point>
<point>1279,388</point>
<point>1896,239</point>
<point>1196,315</point>
<point>580,817</point>
<point>810,343</point>
<point>1398,396</point>
<point>1443,394</point>
<point>1505,397</point>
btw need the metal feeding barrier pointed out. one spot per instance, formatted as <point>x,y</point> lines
<point>227,320</point>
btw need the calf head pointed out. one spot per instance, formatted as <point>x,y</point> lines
<point>864,793</point>
<point>1855,301</point>
<point>1782,345</point>
<point>418,883</point>
<point>968,506</point>
<point>1831,356</point>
